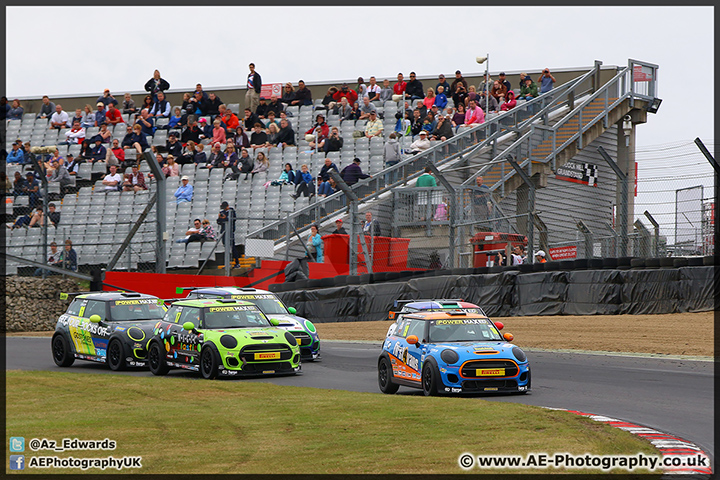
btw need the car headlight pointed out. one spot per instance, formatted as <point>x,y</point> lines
<point>519,354</point>
<point>228,341</point>
<point>310,327</point>
<point>449,356</point>
<point>290,339</point>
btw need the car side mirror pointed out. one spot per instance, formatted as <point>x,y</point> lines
<point>292,310</point>
<point>189,326</point>
<point>95,318</point>
<point>508,336</point>
<point>412,340</point>
<point>275,322</point>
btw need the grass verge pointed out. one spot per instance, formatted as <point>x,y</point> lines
<point>240,427</point>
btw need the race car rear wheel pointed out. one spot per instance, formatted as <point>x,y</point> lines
<point>429,380</point>
<point>209,362</point>
<point>385,377</point>
<point>62,355</point>
<point>115,356</point>
<point>156,360</point>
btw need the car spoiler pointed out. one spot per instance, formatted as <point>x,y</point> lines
<point>399,303</point>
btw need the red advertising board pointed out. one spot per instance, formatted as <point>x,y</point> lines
<point>268,89</point>
<point>642,74</point>
<point>562,253</point>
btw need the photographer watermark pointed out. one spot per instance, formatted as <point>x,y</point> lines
<point>467,461</point>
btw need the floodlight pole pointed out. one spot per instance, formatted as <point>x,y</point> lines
<point>161,234</point>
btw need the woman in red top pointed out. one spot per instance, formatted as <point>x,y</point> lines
<point>218,132</point>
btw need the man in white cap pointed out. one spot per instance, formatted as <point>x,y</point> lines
<point>540,256</point>
<point>184,193</point>
<point>421,144</point>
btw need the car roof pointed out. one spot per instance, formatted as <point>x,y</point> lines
<point>427,304</point>
<point>110,296</point>
<point>229,290</point>
<point>442,315</point>
<point>212,302</point>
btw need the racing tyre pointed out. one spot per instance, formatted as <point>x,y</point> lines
<point>115,356</point>
<point>384,377</point>
<point>156,360</point>
<point>209,362</point>
<point>429,380</point>
<point>61,351</point>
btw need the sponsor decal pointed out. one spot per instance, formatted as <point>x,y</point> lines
<point>406,357</point>
<point>490,372</point>
<point>268,372</point>
<point>136,302</point>
<point>267,356</point>
<point>490,389</point>
<point>233,309</point>
<point>464,321</point>
<point>119,329</point>
<point>560,253</point>
<point>583,173</point>
<point>252,297</point>
<point>456,390</point>
<point>522,389</point>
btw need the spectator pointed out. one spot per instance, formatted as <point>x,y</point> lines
<point>443,129</point>
<point>244,165</point>
<point>334,142</point>
<point>304,182</point>
<point>89,115</point>
<point>146,103</point>
<point>494,107</point>
<point>20,184</point>
<point>288,95</point>
<point>366,108</point>
<point>319,132</point>
<point>429,99</point>
<point>187,103</point>
<point>353,173</point>
<point>128,104</point>
<point>231,156</point>
<point>107,99</point>
<point>216,157</point>
<point>254,85</point>
<point>482,204</point>
<point>546,81</point>
<point>275,105</point>
<point>272,120</point>
<point>16,155</point>
<point>161,107</point>
<point>421,144</point>
<point>459,117</point>
<point>191,133</point>
<point>73,164</point>
<point>414,88</point>
<point>47,108</point>
<point>328,101</point>
<point>199,89</point>
<point>227,218</point>
<point>459,95</point>
<point>371,226</point>
<point>442,83</point>
<point>325,188</point>
<point>386,92</point>
<point>258,139</point>
<point>135,139</point>
<point>343,109</point>
<point>391,153</point>
<point>286,135</point>
<point>79,117</point>
<point>206,130</point>
<point>540,257</point>
<point>192,234</point>
<point>213,105</point>
<point>116,154</point>
<point>68,258</point>
<point>472,95</point>
<point>346,92</point>
<point>61,175</point>
<point>171,168</point>
<point>273,134</point>
<point>339,229</point>
<point>173,146</point>
<point>362,89</point>
<point>113,180</point>
<point>499,91</point>
<point>218,133</point>
<point>176,121</point>
<point>113,115</point>
<point>59,119</point>
<point>416,122</point>
<point>403,126</point>
<point>374,126</point>
<point>303,96</point>
<point>54,259</point>
<point>200,157</point>
<point>104,134</point>
<point>504,82</point>
<point>516,256</point>
<point>474,114</point>
<point>134,181</point>
<point>459,80</point>
<point>325,170</point>
<point>24,220</point>
<point>373,90</point>
<point>200,103</point>
<point>98,152</point>
<point>441,100</point>
<point>315,245</point>
<point>399,88</point>
<point>529,90</point>
<point>184,192</point>
<point>426,179</point>
<point>16,112</point>
<point>262,108</point>
<point>261,164</point>
<point>287,176</point>
<point>37,217</point>
<point>146,122</point>
<point>75,135</point>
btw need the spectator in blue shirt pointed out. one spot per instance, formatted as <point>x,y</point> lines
<point>16,112</point>
<point>98,152</point>
<point>136,139</point>
<point>100,114</point>
<point>184,193</point>
<point>16,155</point>
<point>146,122</point>
<point>352,173</point>
<point>32,189</point>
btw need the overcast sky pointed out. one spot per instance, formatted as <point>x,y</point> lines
<point>119,47</point>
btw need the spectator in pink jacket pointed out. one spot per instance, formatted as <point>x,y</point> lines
<point>474,114</point>
<point>218,132</point>
<point>510,103</point>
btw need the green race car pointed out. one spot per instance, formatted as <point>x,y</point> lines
<point>221,337</point>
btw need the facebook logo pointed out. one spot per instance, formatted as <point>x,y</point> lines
<point>17,462</point>
<point>17,444</point>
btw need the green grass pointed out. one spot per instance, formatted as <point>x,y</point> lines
<point>186,425</point>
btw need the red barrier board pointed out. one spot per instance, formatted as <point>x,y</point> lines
<point>561,253</point>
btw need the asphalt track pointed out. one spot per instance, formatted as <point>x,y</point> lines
<point>674,396</point>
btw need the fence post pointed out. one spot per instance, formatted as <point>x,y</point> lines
<point>656,226</point>
<point>161,224</point>
<point>452,216</point>
<point>588,234</point>
<point>354,224</point>
<point>530,201</point>
<point>623,220</point>
<point>644,238</point>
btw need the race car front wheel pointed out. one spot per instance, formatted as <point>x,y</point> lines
<point>429,379</point>
<point>384,377</point>
<point>156,360</point>
<point>209,362</point>
<point>115,356</point>
<point>61,351</point>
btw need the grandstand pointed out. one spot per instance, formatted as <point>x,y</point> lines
<point>564,125</point>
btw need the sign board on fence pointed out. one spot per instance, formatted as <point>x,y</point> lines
<point>268,89</point>
<point>642,73</point>
<point>562,253</point>
<point>584,173</point>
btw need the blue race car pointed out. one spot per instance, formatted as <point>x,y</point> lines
<point>302,329</point>
<point>452,352</point>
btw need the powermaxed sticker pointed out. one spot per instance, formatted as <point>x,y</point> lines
<point>464,321</point>
<point>137,302</point>
<point>233,309</point>
<point>252,297</point>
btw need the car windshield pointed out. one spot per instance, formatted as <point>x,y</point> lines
<point>239,316</point>
<point>463,330</point>
<point>132,310</point>
<point>269,304</point>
